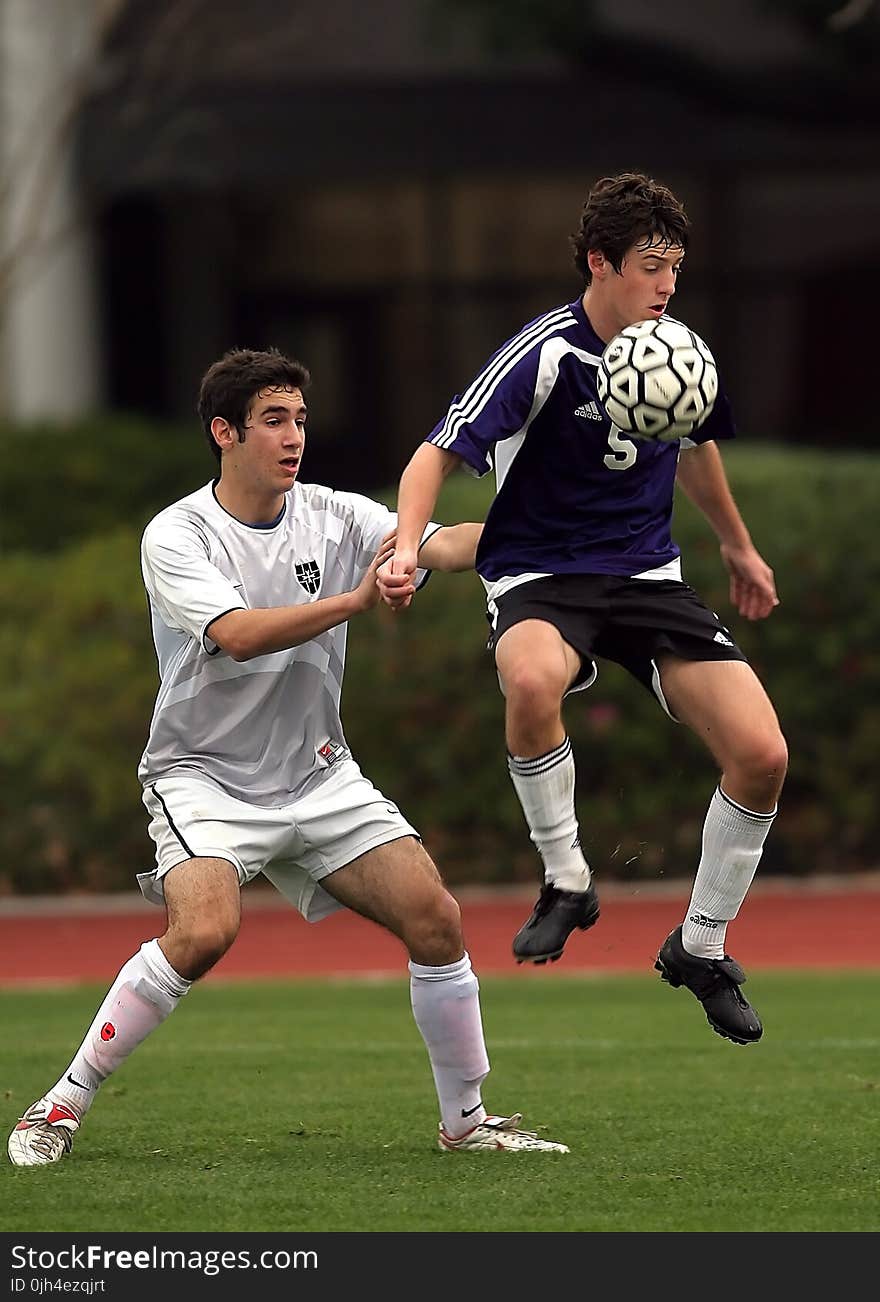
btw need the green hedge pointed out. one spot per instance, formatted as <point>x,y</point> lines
<point>423,712</point>
<point>59,485</point>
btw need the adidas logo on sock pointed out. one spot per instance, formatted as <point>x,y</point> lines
<point>701,920</point>
<point>589,411</point>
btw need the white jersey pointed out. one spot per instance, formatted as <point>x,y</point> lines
<point>266,730</point>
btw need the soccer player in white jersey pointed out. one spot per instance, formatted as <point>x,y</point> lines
<point>578,561</point>
<point>251,581</point>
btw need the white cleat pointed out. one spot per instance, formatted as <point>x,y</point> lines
<point>43,1135</point>
<point>499,1134</point>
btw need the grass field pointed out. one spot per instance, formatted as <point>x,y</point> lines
<point>301,1106</point>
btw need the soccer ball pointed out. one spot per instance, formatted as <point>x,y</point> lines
<point>657,380</point>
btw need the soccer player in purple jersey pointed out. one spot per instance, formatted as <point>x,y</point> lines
<point>578,561</point>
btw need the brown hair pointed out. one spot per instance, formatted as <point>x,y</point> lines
<point>230,385</point>
<point>626,210</point>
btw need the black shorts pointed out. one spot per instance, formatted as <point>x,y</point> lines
<point>629,621</point>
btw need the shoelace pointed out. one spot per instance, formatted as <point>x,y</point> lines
<point>45,1138</point>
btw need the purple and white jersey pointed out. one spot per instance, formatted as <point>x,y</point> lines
<point>574,495</point>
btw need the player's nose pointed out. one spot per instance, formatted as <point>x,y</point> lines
<point>667,283</point>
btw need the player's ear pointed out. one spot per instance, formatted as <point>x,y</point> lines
<point>223,433</point>
<point>597,263</point>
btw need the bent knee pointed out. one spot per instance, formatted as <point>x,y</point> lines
<point>770,758</point>
<point>433,934</point>
<point>201,945</point>
<point>531,693</point>
<point>759,772</point>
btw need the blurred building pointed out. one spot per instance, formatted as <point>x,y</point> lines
<point>387,190</point>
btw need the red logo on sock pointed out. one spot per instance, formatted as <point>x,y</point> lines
<point>108,1031</point>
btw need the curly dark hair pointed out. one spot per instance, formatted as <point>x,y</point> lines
<point>230,385</point>
<point>624,210</point>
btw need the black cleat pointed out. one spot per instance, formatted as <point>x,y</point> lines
<point>553,919</point>
<point>716,983</point>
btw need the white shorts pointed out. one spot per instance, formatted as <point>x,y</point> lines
<point>294,846</point>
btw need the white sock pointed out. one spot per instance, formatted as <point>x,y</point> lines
<point>545,786</point>
<point>145,991</point>
<point>446,1006</point>
<point>733,839</point>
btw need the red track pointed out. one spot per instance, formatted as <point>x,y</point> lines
<point>84,940</point>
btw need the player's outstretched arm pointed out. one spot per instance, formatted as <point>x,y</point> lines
<point>752,585</point>
<point>246,634</point>
<point>417,495</point>
<point>451,548</point>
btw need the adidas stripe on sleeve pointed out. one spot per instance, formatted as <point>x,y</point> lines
<point>497,404</point>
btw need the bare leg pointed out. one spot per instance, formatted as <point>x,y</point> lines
<point>536,667</point>
<point>398,886</point>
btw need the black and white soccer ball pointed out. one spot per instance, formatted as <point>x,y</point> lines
<point>657,380</point>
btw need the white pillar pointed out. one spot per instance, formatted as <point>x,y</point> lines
<point>50,365</point>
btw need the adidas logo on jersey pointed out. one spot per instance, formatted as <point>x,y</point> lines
<point>589,411</point>
<point>723,639</point>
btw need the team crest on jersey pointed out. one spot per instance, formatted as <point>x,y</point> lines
<point>309,575</point>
